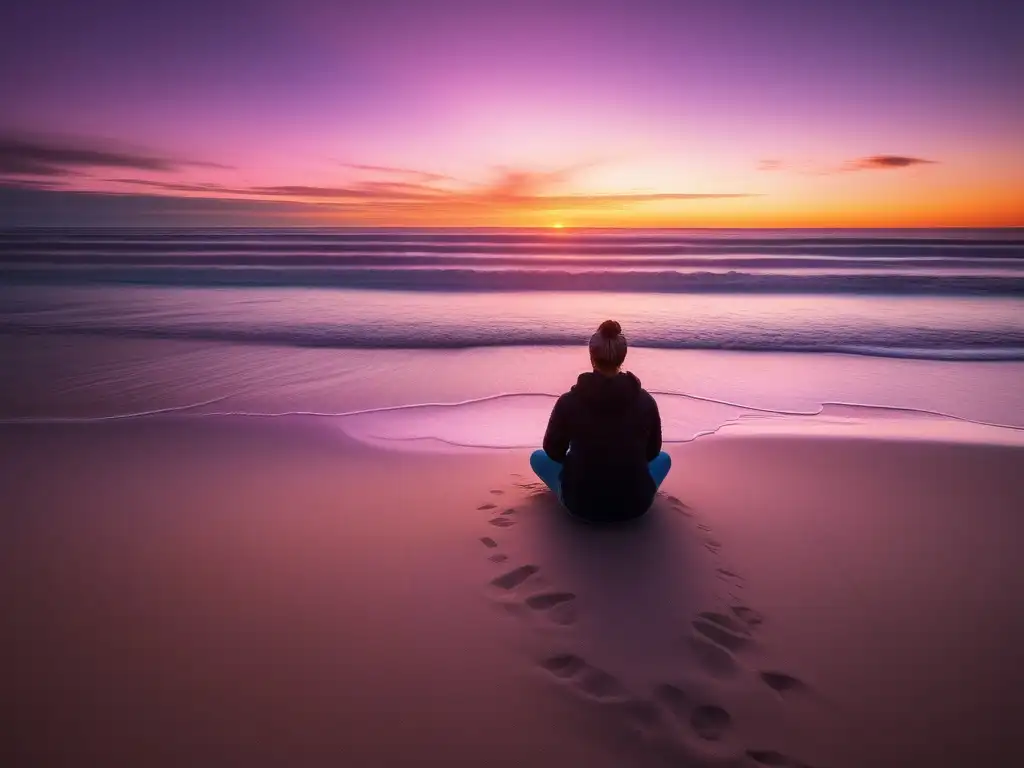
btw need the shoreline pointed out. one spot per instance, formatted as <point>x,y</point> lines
<point>80,377</point>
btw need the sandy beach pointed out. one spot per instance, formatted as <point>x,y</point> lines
<point>230,591</point>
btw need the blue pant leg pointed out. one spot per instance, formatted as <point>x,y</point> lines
<point>659,467</point>
<point>548,470</point>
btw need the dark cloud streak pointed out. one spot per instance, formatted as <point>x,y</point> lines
<point>512,189</point>
<point>885,162</point>
<point>382,197</point>
<point>36,157</point>
<point>869,163</point>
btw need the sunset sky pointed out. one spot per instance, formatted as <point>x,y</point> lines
<point>450,113</point>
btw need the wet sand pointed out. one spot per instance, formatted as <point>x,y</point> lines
<point>231,591</point>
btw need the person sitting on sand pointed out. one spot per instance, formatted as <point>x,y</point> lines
<point>602,449</point>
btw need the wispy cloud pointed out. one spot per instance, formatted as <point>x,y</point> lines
<point>372,190</point>
<point>511,189</point>
<point>884,162</point>
<point>180,186</point>
<point>426,177</point>
<point>19,183</point>
<point>869,163</point>
<point>32,156</point>
<point>368,193</point>
<point>29,204</point>
<point>364,191</point>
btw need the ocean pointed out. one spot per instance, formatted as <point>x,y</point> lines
<point>103,322</point>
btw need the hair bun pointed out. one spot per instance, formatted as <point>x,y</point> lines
<point>610,329</point>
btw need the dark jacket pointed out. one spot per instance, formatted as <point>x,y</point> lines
<point>604,431</point>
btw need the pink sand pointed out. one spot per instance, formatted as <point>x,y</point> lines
<point>239,593</point>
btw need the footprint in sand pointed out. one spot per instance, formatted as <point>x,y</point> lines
<point>492,544</point>
<point>510,511</point>
<point>496,492</point>
<point>710,722</point>
<point>702,527</point>
<point>781,682</point>
<point>564,665</point>
<point>546,600</point>
<point>721,619</point>
<point>713,658</point>
<point>748,616</point>
<point>501,522</point>
<point>559,606</point>
<point>590,681</point>
<point>679,506</point>
<point>722,630</point>
<point>529,485</point>
<point>732,579</point>
<point>487,506</point>
<point>515,577</point>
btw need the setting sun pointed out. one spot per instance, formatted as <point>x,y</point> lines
<point>558,225</point>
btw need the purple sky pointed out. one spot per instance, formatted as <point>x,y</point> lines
<point>711,113</point>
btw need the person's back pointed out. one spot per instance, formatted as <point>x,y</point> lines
<point>602,448</point>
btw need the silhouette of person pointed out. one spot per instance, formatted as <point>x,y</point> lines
<point>602,449</point>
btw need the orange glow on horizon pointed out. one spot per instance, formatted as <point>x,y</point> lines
<point>615,196</point>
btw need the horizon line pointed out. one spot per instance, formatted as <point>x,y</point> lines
<point>536,227</point>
